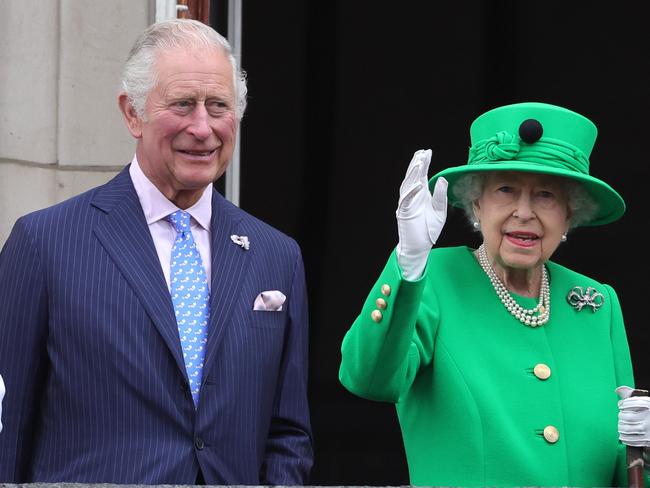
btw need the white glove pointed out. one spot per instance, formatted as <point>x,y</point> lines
<point>633,418</point>
<point>2,394</point>
<point>420,216</point>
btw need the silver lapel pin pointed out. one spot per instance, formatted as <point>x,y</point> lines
<point>241,241</point>
<point>579,298</point>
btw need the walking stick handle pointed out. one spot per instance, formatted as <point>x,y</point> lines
<point>635,457</point>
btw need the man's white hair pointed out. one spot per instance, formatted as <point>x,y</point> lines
<point>139,77</point>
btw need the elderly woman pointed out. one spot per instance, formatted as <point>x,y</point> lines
<point>503,365</point>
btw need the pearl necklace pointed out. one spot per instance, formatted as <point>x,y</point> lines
<point>532,317</point>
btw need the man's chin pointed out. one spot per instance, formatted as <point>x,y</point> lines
<point>199,175</point>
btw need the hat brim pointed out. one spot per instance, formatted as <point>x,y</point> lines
<point>611,205</point>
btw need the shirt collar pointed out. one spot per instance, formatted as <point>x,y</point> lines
<point>156,206</point>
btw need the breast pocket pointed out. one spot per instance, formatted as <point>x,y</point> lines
<point>266,319</point>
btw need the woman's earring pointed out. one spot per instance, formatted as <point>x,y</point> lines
<point>563,238</point>
<point>476,224</point>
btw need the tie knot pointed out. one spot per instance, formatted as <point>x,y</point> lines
<point>180,220</point>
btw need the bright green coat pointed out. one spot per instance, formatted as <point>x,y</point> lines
<point>460,370</point>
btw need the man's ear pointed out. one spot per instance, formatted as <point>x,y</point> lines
<point>133,122</point>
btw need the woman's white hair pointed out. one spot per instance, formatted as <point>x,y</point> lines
<point>469,187</point>
<point>139,76</point>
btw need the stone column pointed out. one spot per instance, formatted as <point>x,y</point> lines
<point>61,131</point>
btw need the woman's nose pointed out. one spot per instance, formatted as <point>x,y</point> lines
<point>523,208</point>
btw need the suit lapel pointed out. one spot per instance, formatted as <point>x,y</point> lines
<point>125,235</point>
<point>229,266</point>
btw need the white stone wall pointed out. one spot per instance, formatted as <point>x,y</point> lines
<point>60,128</point>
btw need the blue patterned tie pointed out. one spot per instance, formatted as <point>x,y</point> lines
<point>190,296</point>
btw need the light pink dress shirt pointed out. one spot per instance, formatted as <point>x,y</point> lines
<point>156,207</point>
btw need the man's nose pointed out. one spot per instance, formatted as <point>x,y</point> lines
<point>200,122</point>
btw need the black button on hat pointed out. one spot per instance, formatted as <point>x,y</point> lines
<point>530,131</point>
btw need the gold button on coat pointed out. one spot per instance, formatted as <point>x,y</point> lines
<point>385,290</point>
<point>381,304</point>
<point>551,434</point>
<point>542,371</point>
<point>376,315</point>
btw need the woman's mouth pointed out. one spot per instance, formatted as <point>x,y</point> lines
<point>525,239</point>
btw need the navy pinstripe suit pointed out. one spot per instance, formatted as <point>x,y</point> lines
<point>90,353</point>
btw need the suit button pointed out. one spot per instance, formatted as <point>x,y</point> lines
<point>542,371</point>
<point>551,434</point>
<point>376,316</point>
<point>381,304</point>
<point>198,442</point>
<point>385,290</point>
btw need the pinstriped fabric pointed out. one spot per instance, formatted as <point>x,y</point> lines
<point>90,354</point>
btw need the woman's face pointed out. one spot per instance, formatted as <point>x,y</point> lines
<point>522,217</point>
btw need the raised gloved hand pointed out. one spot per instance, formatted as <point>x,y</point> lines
<point>420,215</point>
<point>633,418</point>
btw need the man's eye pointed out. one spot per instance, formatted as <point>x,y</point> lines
<point>183,104</point>
<point>217,106</point>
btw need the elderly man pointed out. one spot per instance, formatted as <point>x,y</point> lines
<point>152,332</point>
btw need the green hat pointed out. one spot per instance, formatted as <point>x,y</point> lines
<point>537,138</point>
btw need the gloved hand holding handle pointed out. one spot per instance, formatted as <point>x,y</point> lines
<point>633,417</point>
<point>634,430</point>
<point>420,215</point>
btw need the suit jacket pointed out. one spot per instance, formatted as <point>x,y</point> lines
<point>473,405</point>
<point>90,352</point>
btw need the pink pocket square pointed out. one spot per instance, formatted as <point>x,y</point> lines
<point>269,301</point>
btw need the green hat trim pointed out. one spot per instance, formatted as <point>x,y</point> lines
<point>536,138</point>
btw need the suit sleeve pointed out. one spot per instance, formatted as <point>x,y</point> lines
<point>289,454</point>
<point>380,357</point>
<point>23,326</point>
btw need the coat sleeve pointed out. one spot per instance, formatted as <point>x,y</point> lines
<point>620,347</point>
<point>391,339</point>
<point>289,454</point>
<point>624,376</point>
<point>23,331</point>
